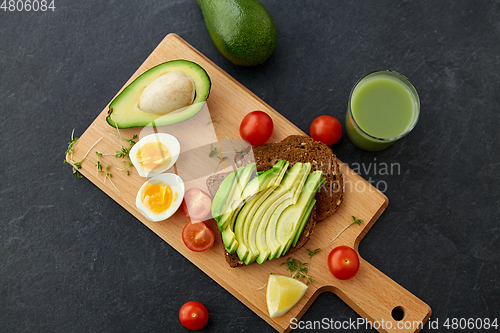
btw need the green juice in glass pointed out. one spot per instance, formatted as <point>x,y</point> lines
<point>383,107</point>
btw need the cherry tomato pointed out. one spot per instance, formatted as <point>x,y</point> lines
<point>326,129</point>
<point>193,315</point>
<point>198,236</point>
<point>196,204</point>
<point>343,262</point>
<point>256,128</point>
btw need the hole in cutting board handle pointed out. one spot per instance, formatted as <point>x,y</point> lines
<point>398,313</point>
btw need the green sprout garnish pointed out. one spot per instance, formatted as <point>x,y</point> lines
<point>298,269</point>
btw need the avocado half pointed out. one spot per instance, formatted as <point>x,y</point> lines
<point>124,113</point>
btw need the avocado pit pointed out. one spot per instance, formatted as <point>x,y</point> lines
<point>167,93</point>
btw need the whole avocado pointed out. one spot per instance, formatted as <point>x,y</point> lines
<point>242,30</point>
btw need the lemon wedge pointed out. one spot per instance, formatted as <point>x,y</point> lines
<point>283,292</point>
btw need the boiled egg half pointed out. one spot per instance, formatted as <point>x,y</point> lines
<point>154,154</point>
<point>160,196</point>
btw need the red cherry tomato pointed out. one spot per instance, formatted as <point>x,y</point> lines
<point>326,129</point>
<point>343,262</point>
<point>198,236</point>
<point>256,128</point>
<point>193,315</point>
<point>196,204</point>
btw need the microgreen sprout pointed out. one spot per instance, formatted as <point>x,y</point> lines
<point>311,253</point>
<point>354,221</point>
<point>298,269</point>
<point>98,164</point>
<point>125,151</point>
<point>215,121</point>
<point>127,168</point>
<point>71,144</point>
<point>78,174</point>
<point>105,171</point>
<point>131,142</point>
<point>77,164</point>
<point>107,174</point>
<point>262,286</point>
<point>69,153</point>
<point>213,151</point>
<point>220,161</point>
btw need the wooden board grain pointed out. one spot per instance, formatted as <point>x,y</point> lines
<point>371,293</point>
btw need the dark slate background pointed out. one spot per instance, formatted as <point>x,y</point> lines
<point>72,260</point>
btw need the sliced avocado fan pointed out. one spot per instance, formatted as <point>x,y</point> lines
<point>240,191</point>
<point>261,218</point>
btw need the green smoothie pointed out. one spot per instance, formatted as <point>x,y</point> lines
<point>383,107</point>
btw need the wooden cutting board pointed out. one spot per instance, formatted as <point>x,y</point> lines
<point>371,294</point>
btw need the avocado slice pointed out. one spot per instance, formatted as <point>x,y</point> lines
<point>302,223</point>
<point>124,111</point>
<point>235,199</point>
<point>293,181</point>
<point>290,198</point>
<point>250,224</point>
<point>241,191</point>
<point>296,215</point>
<point>266,237</point>
<point>221,196</point>
<point>228,237</point>
<point>262,185</point>
<point>260,234</point>
<point>232,247</point>
<point>266,179</point>
<point>224,200</point>
<point>306,216</point>
<point>239,225</point>
<point>270,232</point>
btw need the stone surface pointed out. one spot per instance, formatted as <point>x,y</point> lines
<point>72,260</point>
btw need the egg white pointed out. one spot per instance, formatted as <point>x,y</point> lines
<point>176,184</point>
<point>167,140</point>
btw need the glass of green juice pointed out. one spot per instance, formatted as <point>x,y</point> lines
<point>383,107</point>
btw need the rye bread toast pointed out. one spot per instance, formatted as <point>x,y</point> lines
<point>298,148</point>
<point>294,149</point>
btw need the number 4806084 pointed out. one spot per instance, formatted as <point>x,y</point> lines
<point>28,5</point>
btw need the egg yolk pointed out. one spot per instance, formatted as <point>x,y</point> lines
<point>153,155</point>
<point>157,197</point>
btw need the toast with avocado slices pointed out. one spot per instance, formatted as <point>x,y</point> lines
<point>270,205</point>
<point>298,148</point>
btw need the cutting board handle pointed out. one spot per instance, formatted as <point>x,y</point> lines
<point>379,300</point>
